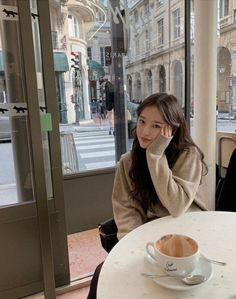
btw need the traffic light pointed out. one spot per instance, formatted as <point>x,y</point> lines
<point>76,59</point>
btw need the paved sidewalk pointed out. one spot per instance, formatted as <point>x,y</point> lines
<point>85,125</point>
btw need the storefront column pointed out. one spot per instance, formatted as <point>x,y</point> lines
<point>205,80</point>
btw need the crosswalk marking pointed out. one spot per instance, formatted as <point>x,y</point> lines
<point>91,141</point>
<point>95,149</point>
<point>93,146</point>
<point>96,165</point>
<point>97,154</point>
<point>92,137</point>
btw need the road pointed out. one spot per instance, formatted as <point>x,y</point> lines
<point>95,149</point>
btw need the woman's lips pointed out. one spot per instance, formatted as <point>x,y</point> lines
<point>145,140</point>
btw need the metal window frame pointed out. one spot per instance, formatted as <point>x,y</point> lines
<point>187,49</point>
<point>37,159</point>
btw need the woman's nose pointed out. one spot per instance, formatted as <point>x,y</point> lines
<point>146,130</point>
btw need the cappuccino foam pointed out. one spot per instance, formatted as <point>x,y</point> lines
<point>177,246</point>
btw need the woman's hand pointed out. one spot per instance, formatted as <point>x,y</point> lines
<point>166,131</point>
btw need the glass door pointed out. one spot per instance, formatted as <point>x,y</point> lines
<point>32,225</point>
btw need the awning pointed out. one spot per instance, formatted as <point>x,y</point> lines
<point>1,62</point>
<point>96,70</point>
<point>60,62</point>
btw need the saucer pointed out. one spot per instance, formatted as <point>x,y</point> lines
<point>203,268</point>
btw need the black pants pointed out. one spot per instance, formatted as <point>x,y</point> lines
<point>94,283</point>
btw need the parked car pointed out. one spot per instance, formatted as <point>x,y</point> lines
<point>5,129</point>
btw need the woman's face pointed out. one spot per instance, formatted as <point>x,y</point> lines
<point>149,126</point>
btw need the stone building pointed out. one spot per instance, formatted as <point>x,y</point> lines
<point>155,59</point>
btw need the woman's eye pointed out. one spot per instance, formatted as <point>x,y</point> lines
<point>141,121</point>
<point>156,126</point>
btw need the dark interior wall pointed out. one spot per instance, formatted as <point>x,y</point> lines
<point>88,199</point>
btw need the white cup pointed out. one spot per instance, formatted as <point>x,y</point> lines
<point>177,255</point>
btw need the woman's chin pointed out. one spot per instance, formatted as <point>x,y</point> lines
<point>143,145</point>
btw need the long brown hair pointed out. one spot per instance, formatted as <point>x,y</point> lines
<point>143,190</point>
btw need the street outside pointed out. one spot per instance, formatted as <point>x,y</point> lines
<point>94,146</point>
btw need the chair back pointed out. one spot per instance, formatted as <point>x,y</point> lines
<point>226,200</point>
<point>226,145</point>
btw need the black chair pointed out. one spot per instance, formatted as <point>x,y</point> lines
<point>226,200</point>
<point>108,234</point>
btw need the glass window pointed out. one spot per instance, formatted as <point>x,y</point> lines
<point>55,40</point>
<point>160,32</point>
<point>102,55</point>
<point>146,8</point>
<point>148,63</point>
<point>224,8</point>
<point>100,17</point>
<point>160,2</point>
<point>147,40</point>
<point>89,52</point>
<point>136,16</point>
<point>226,68</point>
<point>176,23</point>
<point>137,45</point>
<point>73,26</point>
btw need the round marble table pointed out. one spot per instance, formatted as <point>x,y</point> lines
<point>216,234</point>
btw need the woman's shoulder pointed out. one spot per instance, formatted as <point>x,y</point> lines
<point>126,158</point>
<point>190,152</point>
<point>124,164</point>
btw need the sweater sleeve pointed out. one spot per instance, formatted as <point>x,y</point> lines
<point>176,188</point>
<point>127,214</point>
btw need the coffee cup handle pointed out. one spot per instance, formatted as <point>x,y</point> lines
<point>150,252</point>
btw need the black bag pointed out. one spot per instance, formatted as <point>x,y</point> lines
<point>108,234</point>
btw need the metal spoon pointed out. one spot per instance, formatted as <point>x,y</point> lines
<point>189,280</point>
<point>214,261</point>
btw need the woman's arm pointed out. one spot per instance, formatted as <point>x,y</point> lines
<point>175,188</point>
<point>127,213</point>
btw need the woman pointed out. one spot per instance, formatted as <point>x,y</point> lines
<point>162,173</point>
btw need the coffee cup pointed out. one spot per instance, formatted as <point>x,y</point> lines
<point>175,254</point>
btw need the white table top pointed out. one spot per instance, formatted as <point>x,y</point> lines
<point>216,234</point>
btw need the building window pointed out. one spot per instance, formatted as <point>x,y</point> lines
<point>136,16</point>
<point>54,40</point>
<point>160,29</point>
<point>176,22</point>
<point>162,75</point>
<point>149,82</point>
<point>234,15</point>
<point>147,40</point>
<point>146,9</point>
<point>224,8</point>
<point>100,17</point>
<point>89,52</point>
<point>73,26</point>
<point>160,2</point>
<point>137,45</point>
<point>102,56</point>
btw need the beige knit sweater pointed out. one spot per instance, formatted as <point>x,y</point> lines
<point>176,188</point>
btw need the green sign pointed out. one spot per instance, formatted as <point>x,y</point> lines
<point>46,122</point>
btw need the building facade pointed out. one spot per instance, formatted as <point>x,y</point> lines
<point>155,60</point>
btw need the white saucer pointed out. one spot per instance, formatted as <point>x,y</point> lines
<point>204,268</point>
